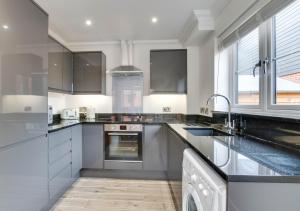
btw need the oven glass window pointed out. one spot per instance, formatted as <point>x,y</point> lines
<point>191,204</point>
<point>123,147</point>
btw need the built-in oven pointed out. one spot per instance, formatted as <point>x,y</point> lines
<point>123,146</point>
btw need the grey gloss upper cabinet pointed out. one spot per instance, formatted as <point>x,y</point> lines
<point>60,67</point>
<point>55,65</point>
<point>23,52</point>
<point>23,72</point>
<point>67,71</point>
<point>155,148</point>
<point>168,71</point>
<point>89,73</point>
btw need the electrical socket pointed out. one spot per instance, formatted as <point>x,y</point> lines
<point>166,109</point>
<point>206,111</point>
<point>202,110</point>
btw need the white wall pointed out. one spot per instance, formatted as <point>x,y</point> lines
<point>194,92</point>
<point>57,100</point>
<point>103,104</point>
<point>207,66</point>
<point>155,103</point>
<point>221,78</point>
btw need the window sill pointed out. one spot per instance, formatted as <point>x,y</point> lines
<point>293,114</point>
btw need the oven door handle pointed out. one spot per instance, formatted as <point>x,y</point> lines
<point>123,134</point>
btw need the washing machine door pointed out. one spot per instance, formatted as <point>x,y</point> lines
<point>191,200</point>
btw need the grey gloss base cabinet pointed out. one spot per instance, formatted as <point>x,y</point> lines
<point>155,148</point>
<point>65,160</point>
<point>24,175</point>
<point>154,154</point>
<point>93,146</point>
<point>174,170</point>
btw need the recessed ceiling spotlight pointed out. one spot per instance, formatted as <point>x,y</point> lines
<point>88,22</point>
<point>5,26</point>
<point>154,20</point>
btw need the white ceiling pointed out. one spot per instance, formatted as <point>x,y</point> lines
<point>122,19</point>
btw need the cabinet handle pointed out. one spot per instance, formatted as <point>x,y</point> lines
<point>123,134</point>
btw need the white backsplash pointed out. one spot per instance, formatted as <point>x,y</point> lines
<point>103,104</point>
<point>127,94</point>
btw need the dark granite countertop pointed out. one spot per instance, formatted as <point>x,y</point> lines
<point>235,158</point>
<point>69,123</point>
<point>243,159</point>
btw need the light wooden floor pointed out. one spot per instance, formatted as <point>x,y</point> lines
<point>93,194</point>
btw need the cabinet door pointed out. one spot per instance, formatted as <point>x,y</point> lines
<point>93,146</point>
<point>23,71</point>
<point>55,65</point>
<point>24,175</point>
<point>176,146</point>
<point>155,148</point>
<point>88,73</point>
<point>168,71</point>
<point>67,71</point>
<point>76,150</point>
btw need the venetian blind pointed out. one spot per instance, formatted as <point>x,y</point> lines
<point>287,39</point>
<point>264,14</point>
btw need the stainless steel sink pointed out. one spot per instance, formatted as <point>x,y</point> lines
<point>206,132</point>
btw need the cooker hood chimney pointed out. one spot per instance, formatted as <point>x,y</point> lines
<point>126,67</point>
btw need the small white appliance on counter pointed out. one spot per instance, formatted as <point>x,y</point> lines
<point>202,188</point>
<point>70,113</point>
<point>50,114</point>
<point>91,113</point>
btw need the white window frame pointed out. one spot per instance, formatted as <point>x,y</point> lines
<point>267,89</point>
<point>233,77</point>
<point>271,72</point>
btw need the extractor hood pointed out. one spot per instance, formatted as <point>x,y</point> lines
<point>126,67</point>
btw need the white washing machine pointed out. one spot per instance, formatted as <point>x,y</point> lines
<point>202,188</point>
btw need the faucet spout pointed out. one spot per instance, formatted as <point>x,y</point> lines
<point>229,124</point>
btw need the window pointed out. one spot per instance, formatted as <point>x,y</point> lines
<point>266,59</point>
<point>247,55</point>
<point>286,56</point>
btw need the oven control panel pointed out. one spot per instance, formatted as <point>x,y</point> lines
<point>123,127</point>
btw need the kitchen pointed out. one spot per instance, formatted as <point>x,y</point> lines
<point>196,108</point>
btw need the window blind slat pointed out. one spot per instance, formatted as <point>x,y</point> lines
<point>248,52</point>
<point>287,39</point>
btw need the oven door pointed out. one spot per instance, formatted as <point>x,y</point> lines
<point>124,146</point>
